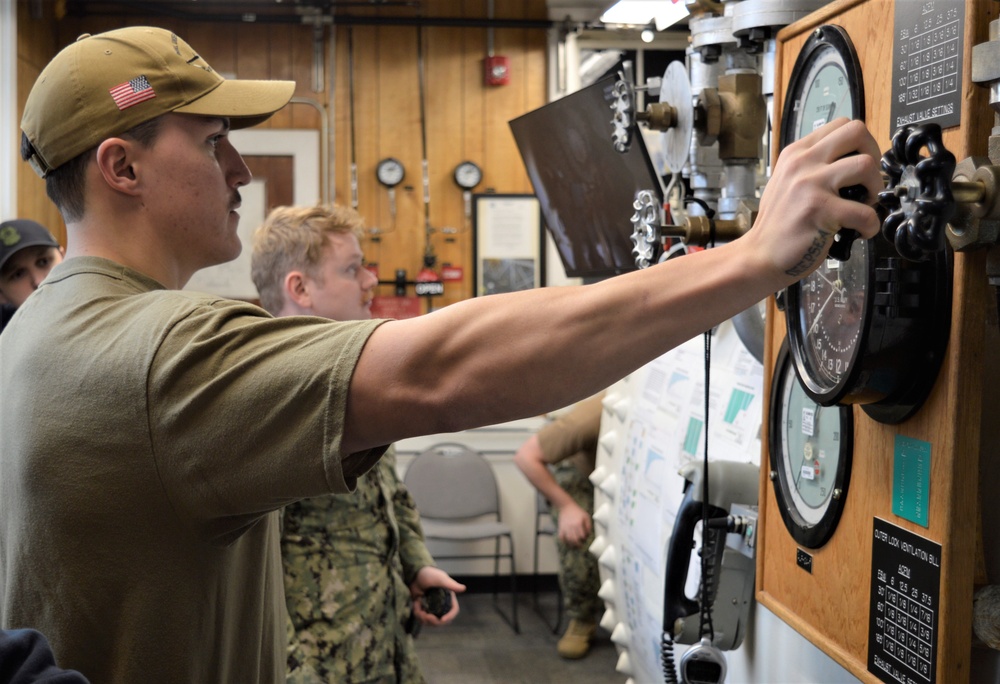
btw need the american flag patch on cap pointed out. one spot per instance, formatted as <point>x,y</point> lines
<point>132,92</point>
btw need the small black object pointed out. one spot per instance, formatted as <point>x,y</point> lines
<point>437,601</point>
<point>841,247</point>
<point>858,193</point>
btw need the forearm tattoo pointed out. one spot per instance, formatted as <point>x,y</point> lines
<point>811,255</point>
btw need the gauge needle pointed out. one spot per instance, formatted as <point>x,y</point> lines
<point>837,284</point>
<point>819,314</point>
<point>829,115</point>
<point>837,289</point>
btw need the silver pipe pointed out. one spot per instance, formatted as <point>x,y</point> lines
<point>324,135</point>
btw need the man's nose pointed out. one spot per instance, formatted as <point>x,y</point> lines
<point>238,173</point>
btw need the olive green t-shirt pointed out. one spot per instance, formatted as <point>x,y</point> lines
<point>148,439</point>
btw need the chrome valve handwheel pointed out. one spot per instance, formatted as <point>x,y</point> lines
<point>623,107</point>
<point>646,222</point>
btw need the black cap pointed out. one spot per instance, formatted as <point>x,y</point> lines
<point>17,234</point>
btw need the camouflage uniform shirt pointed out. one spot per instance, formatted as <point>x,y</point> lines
<point>349,560</point>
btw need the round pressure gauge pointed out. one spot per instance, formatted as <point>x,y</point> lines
<point>869,329</point>
<point>390,172</point>
<point>468,175</point>
<point>810,448</point>
<point>825,83</point>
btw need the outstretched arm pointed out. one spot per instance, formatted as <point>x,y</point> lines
<point>497,358</point>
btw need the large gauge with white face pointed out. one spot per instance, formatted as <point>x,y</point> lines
<point>810,451</point>
<point>827,85</point>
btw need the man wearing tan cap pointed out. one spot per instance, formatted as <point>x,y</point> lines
<point>138,514</point>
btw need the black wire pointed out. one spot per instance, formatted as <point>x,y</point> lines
<point>705,626</point>
<point>667,658</point>
<point>709,211</point>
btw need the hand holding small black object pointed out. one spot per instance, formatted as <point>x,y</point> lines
<point>437,601</point>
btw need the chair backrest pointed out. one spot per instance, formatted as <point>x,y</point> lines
<point>451,481</point>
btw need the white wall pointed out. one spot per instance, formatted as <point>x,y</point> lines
<point>10,139</point>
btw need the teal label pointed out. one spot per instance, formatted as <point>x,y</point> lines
<point>911,479</point>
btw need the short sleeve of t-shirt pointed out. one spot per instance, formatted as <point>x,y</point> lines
<point>573,433</point>
<point>247,411</point>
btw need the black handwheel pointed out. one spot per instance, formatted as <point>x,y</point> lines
<point>919,191</point>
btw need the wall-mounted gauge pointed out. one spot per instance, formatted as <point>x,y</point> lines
<point>390,172</point>
<point>869,329</point>
<point>468,175</point>
<point>825,83</point>
<point>810,450</point>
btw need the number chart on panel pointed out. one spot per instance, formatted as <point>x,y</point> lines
<point>869,511</point>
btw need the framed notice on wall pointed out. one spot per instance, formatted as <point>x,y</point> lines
<point>508,252</point>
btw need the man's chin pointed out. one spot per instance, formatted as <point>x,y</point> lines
<point>222,257</point>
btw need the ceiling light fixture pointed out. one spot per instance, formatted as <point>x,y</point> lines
<point>664,13</point>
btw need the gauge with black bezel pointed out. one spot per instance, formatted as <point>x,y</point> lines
<point>869,328</point>
<point>810,448</point>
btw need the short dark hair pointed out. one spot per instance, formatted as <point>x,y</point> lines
<point>66,184</point>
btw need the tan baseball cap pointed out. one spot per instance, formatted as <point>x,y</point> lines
<point>104,85</point>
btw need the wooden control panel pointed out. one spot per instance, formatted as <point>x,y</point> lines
<point>887,596</point>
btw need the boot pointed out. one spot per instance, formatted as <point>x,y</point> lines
<point>575,641</point>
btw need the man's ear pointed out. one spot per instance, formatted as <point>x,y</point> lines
<point>114,160</point>
<point>295,289</point>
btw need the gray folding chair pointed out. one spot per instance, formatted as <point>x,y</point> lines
<point>545,526</point>
<point>456,493</point>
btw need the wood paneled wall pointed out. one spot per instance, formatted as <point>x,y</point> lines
<point>465,119</point>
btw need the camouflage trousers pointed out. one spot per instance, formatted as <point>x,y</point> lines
<point>346,625</point>
<point>578,577</point>
<point>310,662</point>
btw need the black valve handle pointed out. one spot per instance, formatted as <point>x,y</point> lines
<point>918,195</point>
<point>845,237</point>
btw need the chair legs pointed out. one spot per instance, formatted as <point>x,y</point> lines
<point>512,618</point>
<point>534,593</point>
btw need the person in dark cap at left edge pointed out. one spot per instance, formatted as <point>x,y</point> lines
<point>27,253</point>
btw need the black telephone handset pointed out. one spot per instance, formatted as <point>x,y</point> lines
<point>726,574</point>
<point>676,604</point>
